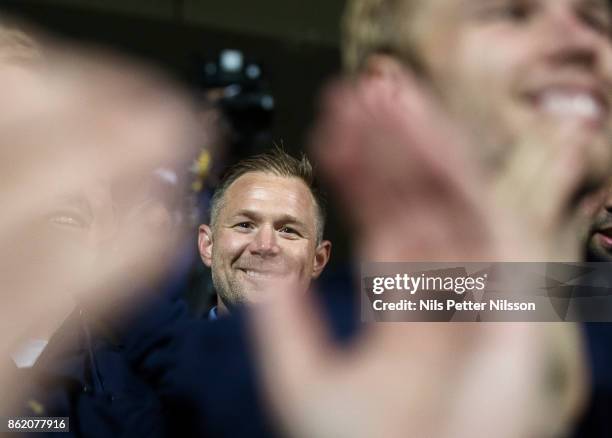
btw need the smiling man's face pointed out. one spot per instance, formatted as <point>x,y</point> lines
<point>264,239</point>
<point>505,68</point>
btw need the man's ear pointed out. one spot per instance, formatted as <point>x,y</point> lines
<point>385,67</point>
<point>205,244</point>
<point>385,76</point>
<point>322,254</point>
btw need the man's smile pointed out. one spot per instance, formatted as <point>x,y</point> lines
<point>604,237</point>
<point>573,99</point>
<point>258,274</point>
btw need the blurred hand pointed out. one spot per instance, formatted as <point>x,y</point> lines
<point>404,173</point>
<point>401,170</point>
<point>425,379</point>
<point>79,133</point>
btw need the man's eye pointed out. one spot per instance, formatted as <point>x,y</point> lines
<point>600,22</point>
<point>510,11</point>
<point>244,225</point>
<point>288,230</point>
<point>65,219</point>
<point>515,12</point>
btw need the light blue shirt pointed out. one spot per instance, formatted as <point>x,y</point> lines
<point>212,314</point>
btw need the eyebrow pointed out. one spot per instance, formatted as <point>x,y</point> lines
<point>604,5</point>
<point>285,218</point>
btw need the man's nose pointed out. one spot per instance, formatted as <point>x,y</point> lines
<point>265,242</point>
<point>572,39</point>
<point>608,200</point>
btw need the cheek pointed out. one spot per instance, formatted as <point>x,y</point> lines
<point>592,205</point>
<point>477,71</point>
<point>57,239</point>
<point>303,257</point>
<point>229,246</point>
<point>479,83</point>
<point>50,248</point>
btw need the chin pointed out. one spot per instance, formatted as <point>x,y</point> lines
<point>261,295</point>
<point>596,253</point>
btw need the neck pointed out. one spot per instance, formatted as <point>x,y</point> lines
<point>221,307</point>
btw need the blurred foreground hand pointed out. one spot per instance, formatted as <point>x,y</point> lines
<point>81,134</point>
<point>417,379</point>
<point>412,192</point>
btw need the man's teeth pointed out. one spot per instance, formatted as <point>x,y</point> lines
<point>580,105</point>
<point>256,274</point>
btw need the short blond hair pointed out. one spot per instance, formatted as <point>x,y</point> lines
<point>376,26</point>
<point>17,46</point>
<point>275,162</point>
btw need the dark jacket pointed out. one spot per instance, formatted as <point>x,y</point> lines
<point>83,374</point>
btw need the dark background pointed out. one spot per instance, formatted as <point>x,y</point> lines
<point>296,42</point>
